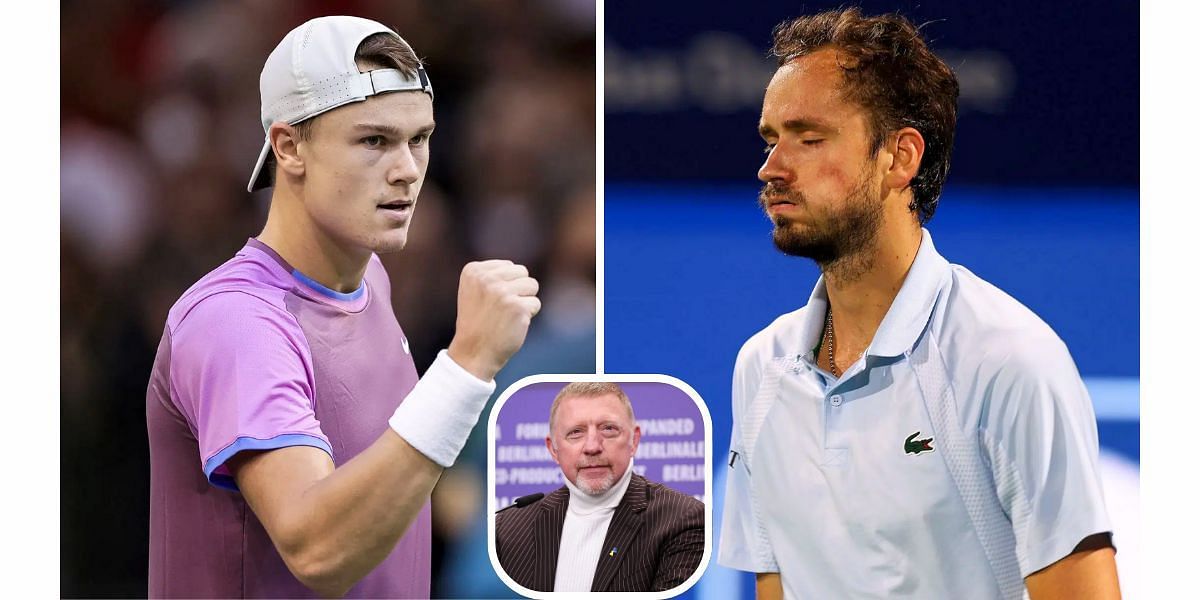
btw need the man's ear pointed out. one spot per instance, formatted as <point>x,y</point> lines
<point>285,143</point>
<point>907,148</point>
<point>550,447</point>
<point>637,437</point>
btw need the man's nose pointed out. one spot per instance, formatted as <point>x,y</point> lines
<point>774,168</point>
<point>404,167</point>
<point>593,444</point>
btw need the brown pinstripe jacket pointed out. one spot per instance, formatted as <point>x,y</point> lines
<point>659,534</point>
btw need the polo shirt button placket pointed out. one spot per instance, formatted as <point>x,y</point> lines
<point>835,400</point>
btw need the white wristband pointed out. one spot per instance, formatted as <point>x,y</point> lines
<point>438,414</point>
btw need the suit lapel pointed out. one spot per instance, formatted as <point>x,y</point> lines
<point>548,535</point>
<point>618,542</point>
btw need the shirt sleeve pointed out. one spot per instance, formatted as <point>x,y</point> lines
<point>241,373</point>
<point>744,544</point>
<point>1039,434</point>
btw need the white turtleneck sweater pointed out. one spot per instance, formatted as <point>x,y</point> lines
<point>581,545</point>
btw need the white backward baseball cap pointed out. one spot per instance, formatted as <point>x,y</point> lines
<point>313,71</point>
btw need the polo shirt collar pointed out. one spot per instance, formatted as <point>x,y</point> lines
<point>905,319</point>
<point>813,324</point>
<point>913,305</point>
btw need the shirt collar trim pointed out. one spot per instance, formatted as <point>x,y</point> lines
<point>905,319</point>
<point>353,301</point>
<point>913,306</point>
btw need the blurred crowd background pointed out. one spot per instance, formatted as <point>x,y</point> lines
<point>159,133</point>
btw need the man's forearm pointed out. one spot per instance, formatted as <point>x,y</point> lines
<point>333,526</point>
<point>1088,573</point>
<point>768,586</point>
<point>333,529</point>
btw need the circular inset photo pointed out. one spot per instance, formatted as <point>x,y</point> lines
<point>600,483</point>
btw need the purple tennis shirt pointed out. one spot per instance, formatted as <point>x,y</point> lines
<point>256,356</point>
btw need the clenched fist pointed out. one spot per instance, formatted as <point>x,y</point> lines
<point>496,301</point>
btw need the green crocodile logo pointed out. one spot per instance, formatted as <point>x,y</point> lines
<point>912,446</point>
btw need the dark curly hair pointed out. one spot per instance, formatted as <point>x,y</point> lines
<point>890,72</point>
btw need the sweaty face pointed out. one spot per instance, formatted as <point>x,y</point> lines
<point>363,169</point>
<point>821,179</point>
<point>593,439</point>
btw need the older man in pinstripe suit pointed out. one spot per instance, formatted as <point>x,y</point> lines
<point>607,529</point>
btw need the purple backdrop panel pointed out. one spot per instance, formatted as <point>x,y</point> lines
<point>671,451</point>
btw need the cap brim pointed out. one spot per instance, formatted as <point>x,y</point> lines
<point>261,177</point>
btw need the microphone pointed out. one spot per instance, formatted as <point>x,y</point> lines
<point>523,501</point>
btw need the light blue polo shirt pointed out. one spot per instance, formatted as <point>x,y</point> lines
<point>955,458</point>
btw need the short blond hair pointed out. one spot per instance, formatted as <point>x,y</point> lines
<point>589,389</point>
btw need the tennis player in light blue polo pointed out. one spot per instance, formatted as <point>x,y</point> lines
<point>913,431</point>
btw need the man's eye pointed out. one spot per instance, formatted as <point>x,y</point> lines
<point>813,142</point>
<point>417,140</point>
<point>768,149</point>
<point>374,140</point>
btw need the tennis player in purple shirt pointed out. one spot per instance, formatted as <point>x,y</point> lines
<point>293,447</point>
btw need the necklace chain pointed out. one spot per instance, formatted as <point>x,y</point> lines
<point>829,337</point>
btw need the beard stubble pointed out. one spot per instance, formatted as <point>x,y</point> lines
<point>837,244</point>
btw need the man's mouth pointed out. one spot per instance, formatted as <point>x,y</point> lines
<point>396,205</point>
<point>777,205</point>
<point>772,196</point>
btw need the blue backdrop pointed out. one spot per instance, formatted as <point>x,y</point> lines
<point>1049,90</point>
